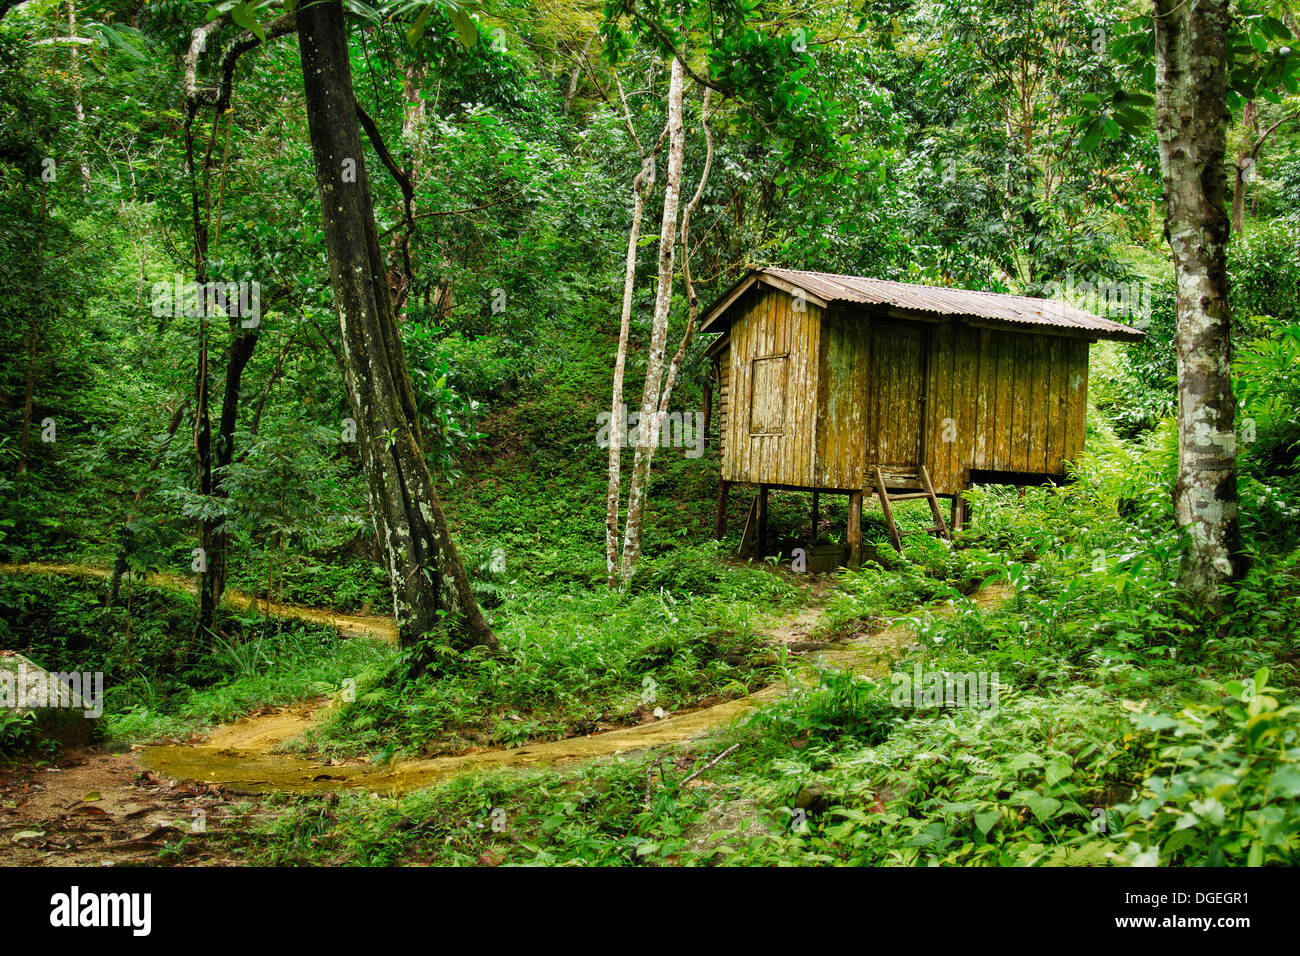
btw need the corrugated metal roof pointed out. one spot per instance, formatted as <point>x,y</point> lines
<point>998,307</point>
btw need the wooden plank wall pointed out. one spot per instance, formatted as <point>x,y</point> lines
<point>1007,401</point>
<point>769,326</point>
<point>894,412</point>
<point>724,387</point>
<point>995,400</point>
<point>843,367</point>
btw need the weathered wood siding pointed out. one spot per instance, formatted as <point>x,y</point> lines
<point>817,401</point>
<point>772,391</point>
<point>895,397</point>
<point>843,366</point>
<point>724,395</point>
<point>1003,401</point>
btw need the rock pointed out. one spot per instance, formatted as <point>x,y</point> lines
<point>811,798</point>
<point>62,713</point>
<point>735,819</point>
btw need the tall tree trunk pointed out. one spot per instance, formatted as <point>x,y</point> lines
<point>412,107</point>
<point>431,591</point>
<point>209,590</point>
<point>1191,127</point>
<point>241,351</point>
<point>33,337</point>
<point>1245,158</point>
<point>575,74</point>
<point>692,298</point>
<point>641,187</point>
<point>647,436</point>
<point>200,183</point>
<point>76,100</point>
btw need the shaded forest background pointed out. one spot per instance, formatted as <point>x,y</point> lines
<point>992,145</point>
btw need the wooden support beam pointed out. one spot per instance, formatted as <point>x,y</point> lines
<point>855,528</point>
<point>816,514</point>
<point>889,512</point>
<point>762,521</point>
<point>747,535</point>
<point>720,522</point>
<point>939,524</point>
<point>708,408</point>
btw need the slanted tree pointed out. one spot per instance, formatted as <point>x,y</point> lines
<point>431,591</point>
<point>659,381</point>
<point>1191,42</point>
<point>642,186</point>
<point>1253,141</point>
<point>646,434</point>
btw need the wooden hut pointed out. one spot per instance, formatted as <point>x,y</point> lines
<point>843,384</point>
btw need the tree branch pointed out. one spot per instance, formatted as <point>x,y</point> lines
<point>377,141</point>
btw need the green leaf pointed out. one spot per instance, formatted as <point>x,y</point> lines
<point>466,28</point>
<point>1285,782</point>
<point>984,822</point>
<point>417,28</point>
<point>1058,769</point>
<point>1042,807</point>
<point>1155,722</point>
<point>1023,761</point>
<point>243,16</point>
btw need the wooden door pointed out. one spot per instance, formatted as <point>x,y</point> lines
<point>896,397</point>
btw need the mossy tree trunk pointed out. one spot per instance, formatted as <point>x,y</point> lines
<point>1191,127</point>
<point>647,436</point>
<point>431,591</point>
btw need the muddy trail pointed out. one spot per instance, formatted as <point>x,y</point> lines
<point>242,757</point>
<point>350,625</point>
<point>101,807</point>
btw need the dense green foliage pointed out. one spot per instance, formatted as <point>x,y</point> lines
<point>989,145</point>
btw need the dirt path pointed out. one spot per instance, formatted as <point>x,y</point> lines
<point>239,756</point>
<point>103,808</point>
<point>350,625</point>
<point>100,809</point>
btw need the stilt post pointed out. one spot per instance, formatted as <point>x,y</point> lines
<point>855,528</point>
<point>720,522</point>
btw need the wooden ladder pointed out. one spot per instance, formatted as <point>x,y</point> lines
<point>886,505</point>
<point>754,537</point>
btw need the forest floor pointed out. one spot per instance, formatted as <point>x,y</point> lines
<point>190,801</point>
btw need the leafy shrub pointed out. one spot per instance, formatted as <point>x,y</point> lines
<point>1264,266</point>
<point>1223,783</point>
<point>16,730</point>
